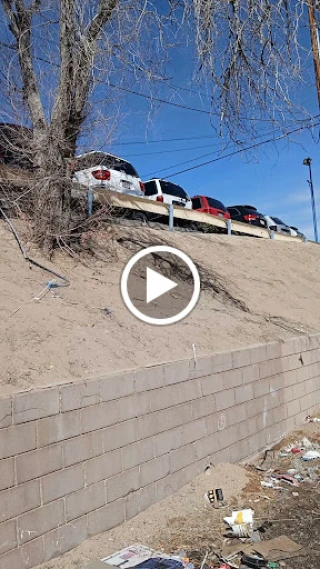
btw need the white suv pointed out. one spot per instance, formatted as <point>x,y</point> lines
<point>103,170</point>
<point>166,192</point>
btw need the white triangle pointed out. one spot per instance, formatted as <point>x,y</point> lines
<point>157,285</point>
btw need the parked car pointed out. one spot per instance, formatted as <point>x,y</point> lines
<point>210,205</point>
<point>247,214</point>
<point>167,192</point>
<point>103,170</point>
<point>299,233</point>
<point>276,224</point>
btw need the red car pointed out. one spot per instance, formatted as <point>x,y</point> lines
<point>210,205</point>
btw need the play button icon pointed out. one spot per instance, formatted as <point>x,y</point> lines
<point>160,285</point>
<point>157,285</point>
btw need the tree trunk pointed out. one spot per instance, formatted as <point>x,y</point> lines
<point>52,195</point>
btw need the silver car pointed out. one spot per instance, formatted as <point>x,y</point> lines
<point>276,224</point>
<point>101,170</point>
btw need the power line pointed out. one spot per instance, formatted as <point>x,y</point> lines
<point>239,151</point>
<point>164,140</point>
<point>172,151</point>
<point>195,159</point>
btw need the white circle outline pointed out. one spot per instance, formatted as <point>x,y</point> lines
<point>160,321</point>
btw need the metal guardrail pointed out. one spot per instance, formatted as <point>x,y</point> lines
<point>125,201</point>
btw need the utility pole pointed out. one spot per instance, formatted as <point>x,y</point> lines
<point>314,44</point>
<point>307,162</point>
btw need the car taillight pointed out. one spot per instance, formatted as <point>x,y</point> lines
<point>142,188</point>
<point>250,217</point>
<point>101,174</point>
<point>227,215</point>
<point>159,199</point>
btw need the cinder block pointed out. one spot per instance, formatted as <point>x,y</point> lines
<point>279,413</point>
<point>79,395</point>
<point>170,484</point>
<point>221,456</point>
<point>211,384</point>
<point>164,420</point>
<point>99,416</point>
<point>274,351</point>
<point>228,436</point>
<point>256,406</point>
<point>164,397</point>
<point>116,387</point>
<point>38,463</point>
<point>61,483</point>
<point>150,378</point>
<point>17,439</point>
<point>106,518</point>
<point>137,453</point>
<point>234,415</point>
<point>154,470</point>
<point>82,448</point>
<point>295,360</point>
<point>19,500</point>
<point>175,372</point>
<point>232,378</point>
<point>35,405</point>
<point>250,374</point>
<point>139,501</point>
<point>225,399</point>
<point>40,521</point>
<point>134,406</point>
<point>203,407</point>
<point>120,435</point>
<point>291,346</point>
<point>241,358</point>
<point>24,557</point>
<point>258,353</point>
<point>239,451</point>
<point>102,467</point>
<point>261,387</point>
<point>217,421</point>
<point>8,536</point>
<point>58,428</point>
<point>84,501</point>
<point>276,382</point>
<point>267,369</point>
<point>5,413</point>
<point>258,442</point>
<point>193,431</point>
<point>121,485</point>
<point>200,368</point>
<point>244,393</point>
<point>6,474</point>
<point>65,538</point>
<point>299,390</point>
<point>222,362</point>
<point>167,441</point>
<point>182,457</point>
<point>207,447</point>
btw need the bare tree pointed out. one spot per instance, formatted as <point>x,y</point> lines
<point>248,52</point>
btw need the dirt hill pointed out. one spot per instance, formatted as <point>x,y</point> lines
<point>254,291</point>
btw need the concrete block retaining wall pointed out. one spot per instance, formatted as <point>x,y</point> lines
<point>79,459</point>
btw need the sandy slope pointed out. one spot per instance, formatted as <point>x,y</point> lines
<point>255,291</point>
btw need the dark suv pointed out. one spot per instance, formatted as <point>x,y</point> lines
<point>247,214</point>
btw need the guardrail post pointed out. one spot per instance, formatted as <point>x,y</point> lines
<point>271,234</point>
<point>171,218</point>
<point>229,226</point>
<point>90,201</point>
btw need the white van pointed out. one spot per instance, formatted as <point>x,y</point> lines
<point>166,192</point>
<point>105,171</point>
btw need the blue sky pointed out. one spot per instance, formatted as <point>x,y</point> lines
<point>272,177</point>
